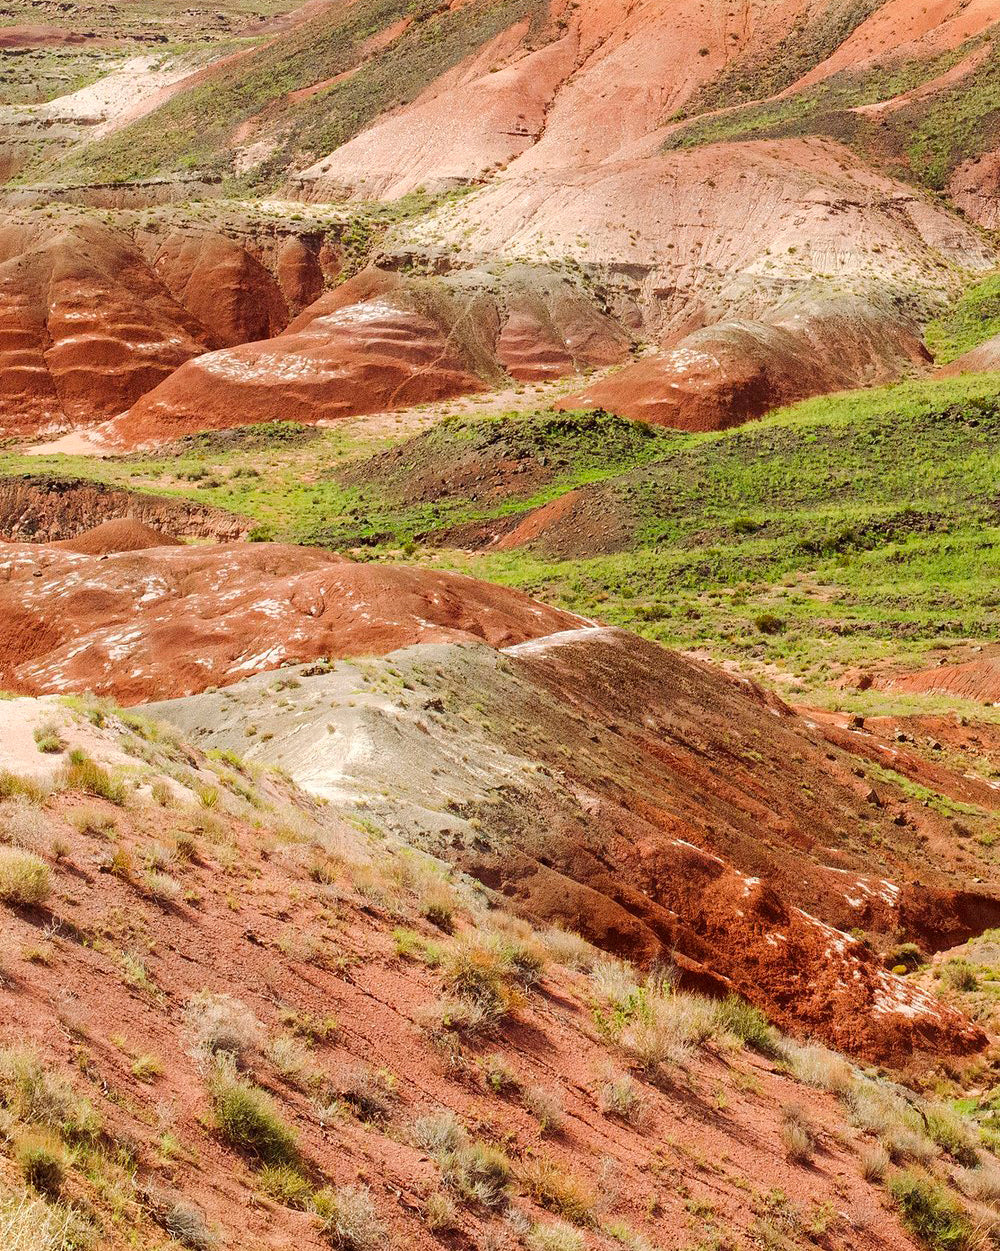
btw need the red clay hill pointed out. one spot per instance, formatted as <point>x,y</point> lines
<point>739,193</point>
<point>172,619</point>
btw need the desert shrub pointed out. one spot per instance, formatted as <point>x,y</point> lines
<point>546,1107</point>
<point>613,981</point>
<point>878,1109</point>
<point>13,786</point>
<point>981,1183</point>
<point>147,1068</point>
<point>41,1160</point>
<point>958,975</point>
<point>798,1135</point>
<point>84,774</point>
<point>285,1183</point>
<point>489,970</point>
<point>478,1173</point>
<point>555,1237</point>
<point>874,1162</point>
<point>769,623</point>
<point>558,1191</point>
<point>569,949</point>
<point>30,1224</point>
<point>34,1095</point>
<point>621,1096</point>
<point>499,1075</point>
<point>749,1025</point>
<point>24,878</point>
<point>48,739</point>
<point>222,1025</point>
<point>90,820</point>
<point>930,1211</point>
<point>247,1119</point>
<point>349,1220</point>
<point>659,1025</point>
<point>370,1092</point>
<point>952,1133</point>
<point>162,886</point>
<point>292,1060</point>
<point>438,1133</point>
<point>187,1226</point>
<point>440,1213</point>
<point>818,1066</point>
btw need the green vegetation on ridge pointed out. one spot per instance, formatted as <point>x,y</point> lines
<point>973,319</point>
<point>853,527</point>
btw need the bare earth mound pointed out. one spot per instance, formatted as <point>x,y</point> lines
<point>122,535</point>
<point>173,620</point>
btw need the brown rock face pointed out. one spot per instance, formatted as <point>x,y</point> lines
<point>173,620</point>
<point>86,326</point>
<point>43,510</point>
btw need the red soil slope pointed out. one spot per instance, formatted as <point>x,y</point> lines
<point>285,910</point>
<point>172,620</point>
<point>732,371</point>
<point>124,534</point>
<point>979,360</point>
<point>654,804</point>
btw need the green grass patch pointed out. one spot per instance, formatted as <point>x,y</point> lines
<point>970,321</point>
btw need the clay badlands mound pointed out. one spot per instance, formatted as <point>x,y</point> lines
<point>383,387</point>
<point>496,193</point>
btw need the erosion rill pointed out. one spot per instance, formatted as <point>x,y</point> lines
<point>499,655</point>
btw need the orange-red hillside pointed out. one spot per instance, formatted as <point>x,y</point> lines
<point>171,620</point>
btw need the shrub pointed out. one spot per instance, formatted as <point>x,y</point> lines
<point>749,1025</point>
<point>478,1174</point>
<point>440,1212</point>
<point>370,1092</point>
<point>24,878</point>
<point>569,949</point>
<point>285,1183</point>
<point>500,1076</point>
<point>162,886</point>
<point>83,774</point>
<point>349,1220</point>
<point>621,1096</point>
<point>818,1066</point>
<point>952,1133</point>
<point>874,1163</point>
<point>769,623</point>
<point>147,1068</point>
<point>12,786</point>
<point>248,1120</point>
<point>930,1211</point>
<point>489,970</point>
<point>798,1136</point>
<point>34,1095</point>
<point>438,1133</point>
<point>41,1161</point>
<point>556,1237</point>
<point>557,1191</point>
<point>92,821</point>
<point>292,1060</point>
<point>958,975</point>
<point>187,1226</point>
<point>546,1106</point>
<point>222,1025</point>
<point>30,1224</point>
